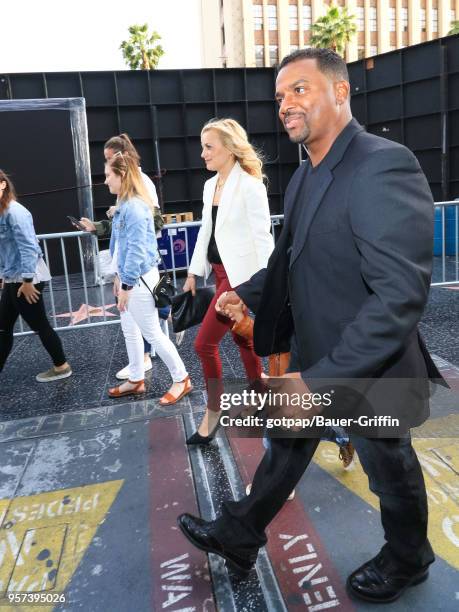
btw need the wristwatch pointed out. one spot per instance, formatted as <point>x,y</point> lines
<point>126,287</point>
<point>27,280</point>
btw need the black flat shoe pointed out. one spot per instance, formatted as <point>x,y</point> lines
<point>381,581</point>
<point>202,535</point>
<point>196,438</point>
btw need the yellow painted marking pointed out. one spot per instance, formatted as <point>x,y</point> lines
<point>3,509</point>
<point>448,454</point>
<point>441,427</point>
<point>48,540</point>
<point>439,458</point>
<point>43,537</point>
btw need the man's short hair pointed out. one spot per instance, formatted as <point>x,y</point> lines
<point>328,62</point>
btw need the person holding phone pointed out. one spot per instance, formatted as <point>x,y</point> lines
<point>23,274</point>
<point>78,225</point>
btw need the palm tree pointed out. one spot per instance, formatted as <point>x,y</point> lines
<point>141,50</point>
<point>333,30</point>
<point>454,27</point>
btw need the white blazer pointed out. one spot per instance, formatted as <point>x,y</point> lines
<point>242,228</point>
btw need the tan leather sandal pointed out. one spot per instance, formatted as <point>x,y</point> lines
<point>138,389</point>
<point>168,399</point>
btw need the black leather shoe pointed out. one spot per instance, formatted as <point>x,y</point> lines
<point>196,438</point>
<point>380,580</point>
<point>201,534</point>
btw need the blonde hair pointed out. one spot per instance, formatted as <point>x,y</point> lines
<point>234,138</point>
<point>132,185</point>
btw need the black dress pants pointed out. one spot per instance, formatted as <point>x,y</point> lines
<point>394,475</point>
<point>34,315</point>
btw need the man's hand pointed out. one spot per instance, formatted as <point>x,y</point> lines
<point>235,312</point>
<point>190,284</point>
<point>290,380</point>
<point>291,390</point>
<point>123,299</point>
<point>87,224</point>
<point>30,293</point>
<point>116,286</point>
<point>227,297</point>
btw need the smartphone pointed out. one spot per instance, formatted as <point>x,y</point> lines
<point>74,221</point>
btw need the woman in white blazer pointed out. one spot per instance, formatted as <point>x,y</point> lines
<point>234,242</point>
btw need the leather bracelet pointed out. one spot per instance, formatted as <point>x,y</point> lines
<point>126,287</point>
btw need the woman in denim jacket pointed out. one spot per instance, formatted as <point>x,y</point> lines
<point>103,228</point>
<point>135,256</point>
<point>22,277</point>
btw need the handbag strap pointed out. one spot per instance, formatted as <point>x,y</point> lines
<point>143,281</point>
<point>166,273</point>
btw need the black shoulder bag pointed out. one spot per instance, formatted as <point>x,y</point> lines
<point>164,290</point>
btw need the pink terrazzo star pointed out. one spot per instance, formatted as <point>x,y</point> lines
<point>85,311</point>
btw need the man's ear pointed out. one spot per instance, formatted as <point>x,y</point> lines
<point>342,92</point>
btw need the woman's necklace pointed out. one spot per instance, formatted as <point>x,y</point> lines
<point>220,185</point>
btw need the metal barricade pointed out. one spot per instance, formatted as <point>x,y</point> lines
<point>446,269</point>
<point>174,228</point>
<point>446,244</point>
<point>74,286</point>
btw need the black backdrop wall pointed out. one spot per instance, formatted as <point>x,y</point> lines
<point>37,151</point>
<point>410,95</point>
<point>170,106</point>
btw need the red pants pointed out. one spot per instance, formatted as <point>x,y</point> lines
<point>211,332</point>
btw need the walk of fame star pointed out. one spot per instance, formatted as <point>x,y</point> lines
<point>86,311</point>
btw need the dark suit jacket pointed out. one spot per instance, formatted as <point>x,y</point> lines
<point>357,279</point>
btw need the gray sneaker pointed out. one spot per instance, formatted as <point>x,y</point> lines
<point>179,337</point>
<point>52,375</point>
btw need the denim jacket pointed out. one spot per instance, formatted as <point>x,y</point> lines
<point>133,228</point>
<point>19,248</point>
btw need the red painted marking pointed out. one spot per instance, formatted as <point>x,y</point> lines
<point>452,378</point>
<point>307,578</point>
<point>180,571</point>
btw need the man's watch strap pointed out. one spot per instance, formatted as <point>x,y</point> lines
<point>126,287</point>
<point>27,280</point>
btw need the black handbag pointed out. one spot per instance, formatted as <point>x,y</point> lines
<point>164,290</point>
<point>189,310</point>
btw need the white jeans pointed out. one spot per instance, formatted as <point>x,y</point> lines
<point>141,319</point>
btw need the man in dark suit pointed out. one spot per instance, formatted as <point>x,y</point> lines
<point>347,284</point>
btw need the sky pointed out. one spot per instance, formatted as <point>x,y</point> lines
<point>60,35</point>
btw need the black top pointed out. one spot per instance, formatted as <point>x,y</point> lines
<point>212,251</point>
